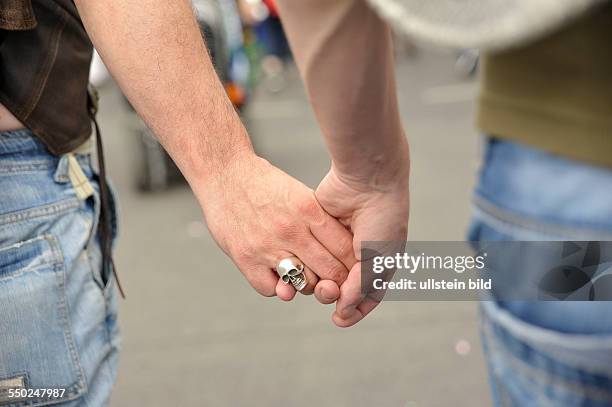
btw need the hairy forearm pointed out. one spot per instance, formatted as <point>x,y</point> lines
<point>344,53</point>
<point>155,52</point>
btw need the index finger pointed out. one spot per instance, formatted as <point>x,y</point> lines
<point>336,238</point>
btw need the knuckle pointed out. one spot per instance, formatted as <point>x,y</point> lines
<point>286,229</point>
<point>338,273</point>
<point>244,253</point>
<point>328,268</point>
<point>311,210</point>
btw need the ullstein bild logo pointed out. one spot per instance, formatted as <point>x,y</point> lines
<point>507,270</point>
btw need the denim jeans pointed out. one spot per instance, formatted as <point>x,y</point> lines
<point>58,314</point>
<point>544,353</point>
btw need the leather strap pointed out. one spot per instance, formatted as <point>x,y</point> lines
<point>105,228</point>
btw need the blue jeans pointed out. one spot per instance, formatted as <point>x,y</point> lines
<point>544,353</point>
<point>58,319</point>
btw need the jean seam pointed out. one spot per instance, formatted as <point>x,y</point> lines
<point>40,211</point>
<point>26,168</point>
<point>516,221</point>
<point>80,387</point>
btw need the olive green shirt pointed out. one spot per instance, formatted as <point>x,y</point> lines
<point>555,94</point>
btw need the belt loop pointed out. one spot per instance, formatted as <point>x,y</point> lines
<point>61,171</point>
<point>79,180</point>
<point>69,170</point>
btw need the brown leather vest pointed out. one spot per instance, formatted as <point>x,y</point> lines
<point>45,55</point>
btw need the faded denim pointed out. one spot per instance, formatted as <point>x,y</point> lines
<point>58,319</point>
<point>544,353</point>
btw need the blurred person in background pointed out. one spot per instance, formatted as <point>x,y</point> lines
<point>546,110</point>
<point>58,312</point>
<point>263,15</point>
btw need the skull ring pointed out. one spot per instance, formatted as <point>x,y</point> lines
<point>291,270</point>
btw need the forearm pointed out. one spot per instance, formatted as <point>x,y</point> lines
<point>344,53</point>
<point>256,213</point>
<point>155,52</point>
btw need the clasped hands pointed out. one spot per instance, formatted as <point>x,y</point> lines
<point>259,215</point>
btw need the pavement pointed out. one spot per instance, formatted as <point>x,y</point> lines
<point>196,334</point>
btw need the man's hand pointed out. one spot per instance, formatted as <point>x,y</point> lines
<point>344,52</point>
<point>374,211</point>
<point>259,215</point>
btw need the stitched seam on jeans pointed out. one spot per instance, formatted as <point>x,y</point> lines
<point>23,168</point>
<point>62,268</point>
<point>40,211</point>
<point>516,221</point>
<point>532,372</point>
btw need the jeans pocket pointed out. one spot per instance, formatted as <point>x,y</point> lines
<point>533,366</point>
<point>37,348</point>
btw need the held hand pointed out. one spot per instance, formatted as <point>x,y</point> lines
<point>375,209</point>
<point>259,215</point>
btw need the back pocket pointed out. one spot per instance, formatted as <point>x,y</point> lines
<point>37,350</point>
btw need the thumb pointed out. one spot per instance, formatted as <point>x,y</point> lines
<point>353,305</point>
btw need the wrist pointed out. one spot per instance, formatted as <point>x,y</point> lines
<point>381,171</point>
<point>222,175</point>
